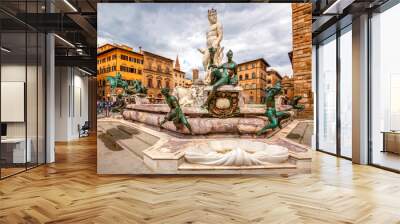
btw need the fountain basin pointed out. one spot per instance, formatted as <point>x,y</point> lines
<point>142,150</point>
<point>250,120</point>
<point>235,153</point>
<point>251,109</point>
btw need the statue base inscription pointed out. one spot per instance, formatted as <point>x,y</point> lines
<point>225,102</point>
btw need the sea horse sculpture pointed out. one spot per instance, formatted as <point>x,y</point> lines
<point>118,105</point>
<point>175,114</point>
<point>274,117</point>
<point>138,87</point>
<point>117,81</point>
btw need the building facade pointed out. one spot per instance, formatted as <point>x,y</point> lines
<point>273,77</point>
<point>179,76</point>
<point>114,58</point>
<point>188,83</point>
<point>158,72</point>
<point>195,74</point>
<point>253,79</point>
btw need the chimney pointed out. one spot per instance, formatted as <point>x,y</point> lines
<point>140,49</point>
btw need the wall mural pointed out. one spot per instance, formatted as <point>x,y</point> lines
<point>226,110</point>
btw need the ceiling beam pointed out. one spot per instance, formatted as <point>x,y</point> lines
<point>78,61</point>
<point>337,7</point>
<point>86,26</point>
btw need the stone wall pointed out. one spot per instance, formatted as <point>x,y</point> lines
<point>287,86</point>
<point>302,54</point>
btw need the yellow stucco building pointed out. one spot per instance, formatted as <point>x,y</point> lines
<point>157,74</point>
<point>113,58</point>
<point>155,71</point>
<point>254,76</point>
<point>253,79</point>
<point>273,77</point>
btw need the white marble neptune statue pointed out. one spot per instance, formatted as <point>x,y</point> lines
<point>213,54</point>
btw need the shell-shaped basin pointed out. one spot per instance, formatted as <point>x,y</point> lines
<point>235,153</point>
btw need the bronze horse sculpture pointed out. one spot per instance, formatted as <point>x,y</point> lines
<point>117,81</point>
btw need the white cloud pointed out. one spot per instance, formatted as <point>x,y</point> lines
<point>250,30</point>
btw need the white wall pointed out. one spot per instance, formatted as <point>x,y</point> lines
<point>80,104</point>
<point>16,73</point>
<point>33,126</point>
<point>9,73</point>
<point>71,102</point>
<point>62,81</point>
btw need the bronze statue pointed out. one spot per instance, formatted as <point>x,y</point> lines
<point>137,88</point>
<point>118,105</point>
<point>225,74</point>
<point>117,81</point>
<point>175,114</point>
<point>274,117</point>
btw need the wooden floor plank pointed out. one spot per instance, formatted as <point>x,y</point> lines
<point>70,191</point>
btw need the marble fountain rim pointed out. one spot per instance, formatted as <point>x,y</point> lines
<point>193,110</point>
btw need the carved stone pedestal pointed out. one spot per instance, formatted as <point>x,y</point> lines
<point>141,98</point>
<point>226,101</point>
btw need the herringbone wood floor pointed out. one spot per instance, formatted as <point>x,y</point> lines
<point>70,191</point>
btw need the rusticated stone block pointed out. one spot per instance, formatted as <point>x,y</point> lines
<point>302,54</point>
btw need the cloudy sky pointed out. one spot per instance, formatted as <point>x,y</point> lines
<point>250,30</point>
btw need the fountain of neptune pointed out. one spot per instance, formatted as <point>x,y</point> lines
<point>221,111</point>
<point>216,145</point>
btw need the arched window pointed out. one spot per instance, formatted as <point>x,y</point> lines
<point>240,77</point>
<point>167,84</point>
<point>246,76</point>
<point>159,86</point>
<point>150,83</point>
<point>253,75</point>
